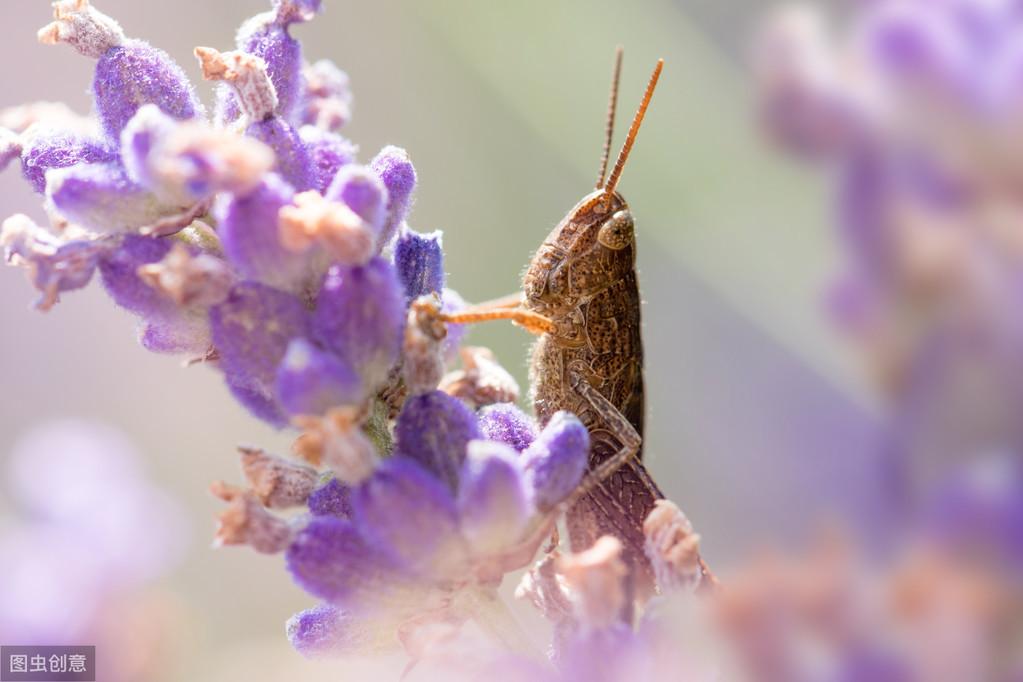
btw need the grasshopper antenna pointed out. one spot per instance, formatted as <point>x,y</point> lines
<point>623,155</point>
<point>612,104</point>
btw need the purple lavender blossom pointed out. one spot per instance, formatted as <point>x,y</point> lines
<point>46,150</point>
<point>359,315</point>
<point>328,153</point>
<point>420,262</point>
<point>251,237</point>
<point>362,191</point>
<point>311,381</point>
<point>251,332</point>
<point>434,429</point>
<point>556,460</point>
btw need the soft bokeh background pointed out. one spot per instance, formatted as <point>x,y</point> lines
<point>758,425</point>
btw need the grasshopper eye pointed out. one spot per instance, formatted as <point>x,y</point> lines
<point>617,232</point>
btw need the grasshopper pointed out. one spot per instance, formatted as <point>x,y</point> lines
<point>580,295</point>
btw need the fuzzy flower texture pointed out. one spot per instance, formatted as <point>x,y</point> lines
<point>253,241</point>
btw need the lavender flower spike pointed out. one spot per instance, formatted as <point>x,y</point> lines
<point>44,149</point>
<point>508,424</point>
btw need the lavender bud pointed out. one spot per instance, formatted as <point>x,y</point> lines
<point>410,515</point>
<point>508,424</point>
<point>251,237</point>
<point>346,237</point>
<point>672,547</point>
<point>44,150</point>
<point>359,315</point>
<point>311,381</point>
<point>363,192</point>
<point>492,499</point>
<point>595,578</point>
<point>246,522</point>
<point>556,460</point>
<point>131,75</point>
<point>423,350</point>
<point>434,429</point>
<point>330,560</point>
<point>187,279</point>
<point>333,498</point>
<point>251,332</point>
<point>481,381</point>
<point>103,198</point>
<point>393,166</point>
<point>277,483</point>
<point>327,101</point>
<point>53,265</point>
<point>328,152</point>
<point>420,262</point>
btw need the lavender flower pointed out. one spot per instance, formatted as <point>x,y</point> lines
<point>916,106</point>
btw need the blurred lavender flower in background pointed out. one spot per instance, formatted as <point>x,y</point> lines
<point>915,109</point>
<point>82,502</point>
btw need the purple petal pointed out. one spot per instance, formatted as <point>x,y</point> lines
<point>330,560</point>
<point>251,332</point>
<point>362,191</point>
<point>44,151</point>
<point>360,314</point>
<point>493,501</point>
<point>333,498</point>
<point>556,460</point>
<point>119,270</point>
<point>311,381</point>
<point>409,514</point>
<point>434,429</point>
<point>393,166</point>
<point>420,262</point>
<point>249,232</point>
<point>136,73</point>
<point>508,424</point>
<point>257,401</point>
<point>102,197</point>
<point>327,152</point>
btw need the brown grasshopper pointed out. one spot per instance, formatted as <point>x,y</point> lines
<point>581,296</point>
